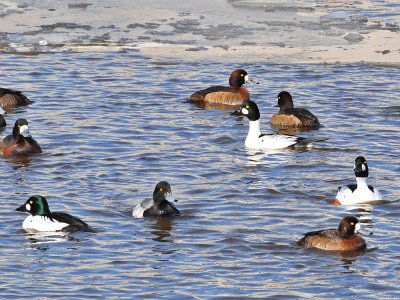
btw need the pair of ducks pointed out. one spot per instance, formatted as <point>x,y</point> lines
<point>20,142</point>
<point>343,238</point>
<point>41,219</point>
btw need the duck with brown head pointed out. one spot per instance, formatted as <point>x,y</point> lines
<point>235,94</point>
<point>289,116</point>
<point>344,238</point>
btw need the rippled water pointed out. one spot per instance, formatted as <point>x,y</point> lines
<point>112,125</point>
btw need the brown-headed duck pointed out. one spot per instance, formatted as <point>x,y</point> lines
<point>344,238</point>
<point>235,94</point>
<point>288,116</point>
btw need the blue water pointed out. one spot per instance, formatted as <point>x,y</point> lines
<point>113,124</point>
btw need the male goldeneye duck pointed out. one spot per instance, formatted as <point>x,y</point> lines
<point>41,219</point>
<point>288,116</point>
<point>235,94</point>
<point>256,140</point>
<point>360,192</point>
<point>11,99</point>
<point>20,142</point>
<point>344,238</point>
<point>159,205</point>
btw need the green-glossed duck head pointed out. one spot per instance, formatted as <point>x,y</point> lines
<point>36,205</point>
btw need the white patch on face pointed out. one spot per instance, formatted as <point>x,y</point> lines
<point>357,228</point>
<point>24,131</point>
<point>246,78</point>
<point>363,167</point>
<point>170,197</point>
<point>28,207</point>
<point>245,111</point>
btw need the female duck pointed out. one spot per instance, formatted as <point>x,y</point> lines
<point>288,116</point>
<point>41,219</point>
<point>11,99</point>
<point>235,94</point>
<point>256,140</point>
<point>159,205</point>
<point>360,192</point>
<point>20,142</point>
<point>344,238</point>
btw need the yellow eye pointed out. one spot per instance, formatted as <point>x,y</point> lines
<point>31,202</point>
<point>241,75</point>
<point>247,106</point>
<point>352,224</point>
<point>161,189</point>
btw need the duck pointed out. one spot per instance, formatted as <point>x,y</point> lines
<point>159,206</point>
<point>10,99</point>
<point>288,116</point>
<point>3,122</point>
<point>256,140</point>
<point>20,142</point>
<point>233,95</point>
<point>360,192</point>
<point>344,238</point>
<point>42,220</point>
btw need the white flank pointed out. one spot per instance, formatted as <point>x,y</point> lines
<point>141,207</point>
<point>42,223</point>
<point>362,193</point>
<point>274,141</point>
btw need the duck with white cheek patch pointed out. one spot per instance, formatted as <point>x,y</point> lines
<point>344,238</point>
<point>360,192</point>
<point>159,206</point>
<point>20,142</point>
<point>256,140</point>
<point>42,220</point>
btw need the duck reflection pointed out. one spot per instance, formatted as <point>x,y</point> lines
<point>20,162</point>
<point>162,229</point>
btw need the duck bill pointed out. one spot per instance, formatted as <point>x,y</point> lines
<point>357,228</point>
<point>170,197</point>
<point>22,208</point>
<point>24,131</point>
<point>358,168</point>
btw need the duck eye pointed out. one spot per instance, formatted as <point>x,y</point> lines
<point>161,189</point>
<point>31,202</point>
<point>352,224</point>
<point>247,106</point>
<point>241,75</point>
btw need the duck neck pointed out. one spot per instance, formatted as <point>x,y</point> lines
<point>362,181</point>
<point>254,129</point>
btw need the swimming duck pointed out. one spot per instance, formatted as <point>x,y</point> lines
<point>3,122</point>
<point>11,99</point>
<point>360,192</point>
<point>41,219</point>
<point>288,116</point>
<point>256,140</point>
<point>344,238</point>
<point>159,205</point>
<point>235,94</point>
<point>20,142</point>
